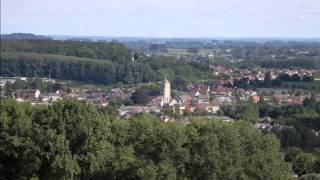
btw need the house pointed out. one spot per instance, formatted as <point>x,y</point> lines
<point>128,111</point>
<point>202,99</point>
<point>260,77</point>
<point>27,95</point>
<point>51,96</point>
<point>295,99</point>
<point>208,107</point>
<point>223,100</point>
<point>221,91</point>
<point>255,98</point>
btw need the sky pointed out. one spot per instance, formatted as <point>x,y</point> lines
<point>163,18</point>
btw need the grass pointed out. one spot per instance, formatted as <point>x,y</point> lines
<point>205,52</point>
<point>178,52</point>
<point>183,52</point>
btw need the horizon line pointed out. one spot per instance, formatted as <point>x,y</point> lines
<point>167,37</point>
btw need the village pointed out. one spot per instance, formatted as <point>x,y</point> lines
<point>201,98</point>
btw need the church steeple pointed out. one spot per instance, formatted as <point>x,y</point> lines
<point>166,91</point>
<point>165,77</point>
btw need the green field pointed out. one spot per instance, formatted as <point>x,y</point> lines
<point>205,52</point>
<point>183,52</point>
<point>175,52</point>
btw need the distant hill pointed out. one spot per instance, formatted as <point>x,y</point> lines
<point>115,52</point>
<point>23,36</point>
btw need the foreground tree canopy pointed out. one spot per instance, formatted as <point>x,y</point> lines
<point>72,140</point>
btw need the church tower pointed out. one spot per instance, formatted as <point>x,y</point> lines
<point>166,92</point>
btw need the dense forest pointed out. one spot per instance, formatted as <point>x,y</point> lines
<point>72,140</point>
<point>96,50</point>
<point>101,63</point>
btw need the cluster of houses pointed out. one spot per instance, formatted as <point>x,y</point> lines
<point>96,97</point>
<point>209,98</point>
<point>205,98</point>
<point>4,80</point>
<point>259,73</point>
<point>267,127</point>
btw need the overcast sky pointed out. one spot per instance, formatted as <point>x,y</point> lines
<point>163,18</point>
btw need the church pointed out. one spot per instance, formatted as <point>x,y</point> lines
<point>186,103</point>
<point>167,99</point>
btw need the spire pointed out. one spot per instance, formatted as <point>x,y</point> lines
<point>161,103</point>
<point>167,90</point>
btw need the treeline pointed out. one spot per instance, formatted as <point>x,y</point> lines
<point>296,126</point>
<point>96,71</point>
<point>304,63</point>
<point>59,67</point>
<point>308,63</point>
<point>93,62</point>
<point>34,83</point>
<point>245,83</point>
<point>116,52</point>
<point>72,140</point>
<point>24,36</point>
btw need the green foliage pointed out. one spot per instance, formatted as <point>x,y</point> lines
<point>221,151</point>
<point>19,156</point>
<point>62,142</point>
<point>140,96</point>
<point>72,68</point>
<point>298,134</point>
<point>72,140</point>
<point>167,73</point>
<point>248,112</point>
<point>289,137</point>
<point>35,83</point>
<point>308,63</point>
<point>180,83</point>
<point>97,71</point>
<point>304,163</point>
<point>98,50</point>
<point>311,176</point>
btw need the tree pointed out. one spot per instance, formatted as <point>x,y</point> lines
<point>167,73</point>
<point>224,151</point>
<point>304,163</point>
<point>19,156</point>
<point>289,137</point>
<point>179,83</point>
<point>310,101</point>
<point>140,96</point>
<point>242,83</point>
<point>250,113</point>
<point>267,79</point>
<point>311,176</point>
<point>72,140</point>
<point>295,77</point>
<point>193,50</point>
<point>65,141</point>
<point>307,78</point>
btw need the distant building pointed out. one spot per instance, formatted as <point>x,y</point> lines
<point>27,95</point>
<point>166,93</point>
